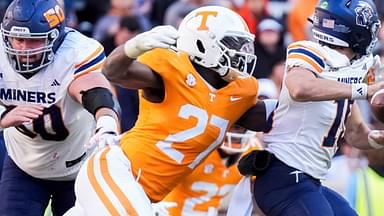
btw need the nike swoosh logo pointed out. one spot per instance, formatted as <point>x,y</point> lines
<point>233,98</point>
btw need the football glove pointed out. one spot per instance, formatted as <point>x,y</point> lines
<point>105,134</point>
<point>158,37</point>
<point>254,163</point>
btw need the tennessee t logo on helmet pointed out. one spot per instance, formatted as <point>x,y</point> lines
<point>204,16</point>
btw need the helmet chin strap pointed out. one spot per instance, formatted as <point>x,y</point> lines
<point>230,75</point>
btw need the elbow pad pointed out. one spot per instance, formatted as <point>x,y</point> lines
<point>95,98</point>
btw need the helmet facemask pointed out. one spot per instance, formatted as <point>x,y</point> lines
<point>236,53</point>
<point>237,140</point>
<point>21,60</point>
<point>375,28</point>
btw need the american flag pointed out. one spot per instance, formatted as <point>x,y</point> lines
<point>328,23</point>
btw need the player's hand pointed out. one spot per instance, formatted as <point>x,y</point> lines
<point>372,89</point>
<point>158,37</point>
<point>105,134</point>
<point>376,138</point>
<point>161,208</point>
<point>21,114</point>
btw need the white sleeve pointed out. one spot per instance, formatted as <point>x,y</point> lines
<point>90,57</point>
<point>302,54</point>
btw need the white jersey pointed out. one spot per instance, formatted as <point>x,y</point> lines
<point>52,146</point>
<point>304,135</point>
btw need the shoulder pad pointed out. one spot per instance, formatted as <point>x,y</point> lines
<point>314,56</point>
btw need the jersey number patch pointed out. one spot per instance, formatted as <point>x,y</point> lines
<point>187,111</point>
<point>58,130</point>
<point>336,132</point>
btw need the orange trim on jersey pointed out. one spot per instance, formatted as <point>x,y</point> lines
<point>114,187</point>
<point>89,70</point>
<point>308,60</point>
<point>93,55</point>
<point>292,46</point>
<point>96,186</point>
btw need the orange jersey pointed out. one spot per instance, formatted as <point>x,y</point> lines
<point>172,137</point>
<point>204,188</point>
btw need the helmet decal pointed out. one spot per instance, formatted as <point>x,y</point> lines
<point>364,14</point>
<point>54,16</point>
<point>204,16</point>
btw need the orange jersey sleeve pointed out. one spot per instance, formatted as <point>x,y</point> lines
<point>204,188</point>
<point>172,137</point>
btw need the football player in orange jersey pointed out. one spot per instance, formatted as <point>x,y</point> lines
<point>190,95</point>
<point>202,191</point>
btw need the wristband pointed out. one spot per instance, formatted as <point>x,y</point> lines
<point>359,91</point>
<point>107,123</point>
<point>373,143</point>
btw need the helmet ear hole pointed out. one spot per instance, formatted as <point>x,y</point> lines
<point>200,46</point>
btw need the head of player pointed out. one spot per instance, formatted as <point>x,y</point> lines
<point>32,31</point>
<point>217,38</point>
<point>350,24</point>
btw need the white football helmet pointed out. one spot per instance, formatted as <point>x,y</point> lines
<point>218,38</point>
<point>238,140</point>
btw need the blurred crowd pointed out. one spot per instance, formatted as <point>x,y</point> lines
<point>357,175</point>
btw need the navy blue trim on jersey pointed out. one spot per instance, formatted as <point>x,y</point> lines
<point>95,61</point>
<point>309,54</point>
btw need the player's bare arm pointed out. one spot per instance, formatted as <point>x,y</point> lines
<point>121,67</point>
<point>359,135</point>
<point>87,82</point>
<point>129,73</point>
<point>256,118</point>
<point>304,86</point>
<point>94,92</point>
<point>357,131</point>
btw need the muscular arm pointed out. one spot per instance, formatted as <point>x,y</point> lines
<point>255,118</point>
<point>304,86</point>
<point>356,133</point>
<point>129,73</point>
<point>89,81</point>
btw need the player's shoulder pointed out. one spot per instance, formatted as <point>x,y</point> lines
<point>163,60</point>
<point>86,53</point>
<point>307,54</point>
<point>80,45</point>
<point>77,40</point>
<point>160,55</point>
<point>314,56</point>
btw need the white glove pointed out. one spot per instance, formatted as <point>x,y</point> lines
<point>161,208</point>
<point>105,134</point>
<point>158,37</point>
<point>376,139</point>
